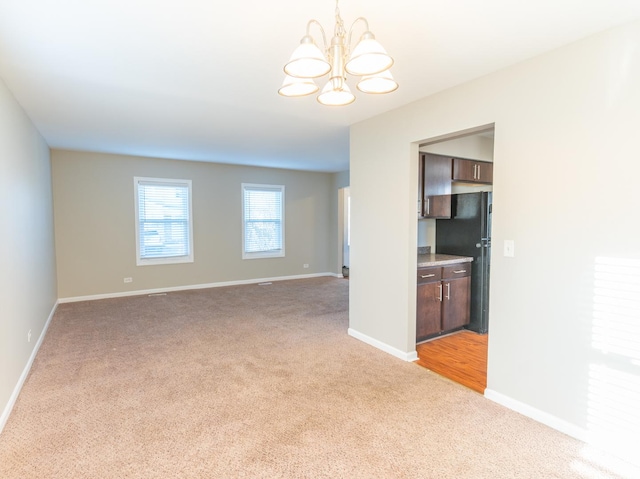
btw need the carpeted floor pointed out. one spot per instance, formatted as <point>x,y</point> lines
<point>256,382</point>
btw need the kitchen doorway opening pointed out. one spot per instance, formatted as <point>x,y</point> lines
<point>344,228</point>
<point>455,203</point>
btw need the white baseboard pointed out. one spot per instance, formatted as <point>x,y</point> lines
<point>25,372</point>
<point>538,415</point>
<point>409,356</point>
<point>192,286</point>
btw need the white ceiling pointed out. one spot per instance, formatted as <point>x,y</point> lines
<point>198,79</point>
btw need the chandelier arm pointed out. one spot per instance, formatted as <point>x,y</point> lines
<point>339,27</point>
<point>366,24</point>
<point>324,37</point>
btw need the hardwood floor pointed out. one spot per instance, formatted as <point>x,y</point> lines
<point>461,357</point>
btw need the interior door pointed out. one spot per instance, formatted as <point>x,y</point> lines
<point>346,224</point>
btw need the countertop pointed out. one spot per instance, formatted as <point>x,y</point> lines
<point>441,259</point>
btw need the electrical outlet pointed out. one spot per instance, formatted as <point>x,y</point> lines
<point>29,336</point>
<point>128,280</point>
<point>509,248</point>
<point>305,265</point>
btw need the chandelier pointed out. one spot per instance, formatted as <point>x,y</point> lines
<point>368,60</point>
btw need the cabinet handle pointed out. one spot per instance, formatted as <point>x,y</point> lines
<point>427,275</point>
<point>448,290</point>
<point>458,271</point>
<point>440,287</point>
<point>428,206</point>
<point>475,167</point>
<point>479,171</point>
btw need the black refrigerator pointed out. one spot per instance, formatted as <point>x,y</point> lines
<point>468,233</point>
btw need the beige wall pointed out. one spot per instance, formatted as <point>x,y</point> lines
<point>28,271</point>
<point>95,236</point>
<point>565,190</point>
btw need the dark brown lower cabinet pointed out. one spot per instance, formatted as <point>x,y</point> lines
<point>429,309</point>
<point>443,299</point>
<point>456,300</point>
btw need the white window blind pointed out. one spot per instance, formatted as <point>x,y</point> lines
<point>263,221</point>
<point>163,221</point>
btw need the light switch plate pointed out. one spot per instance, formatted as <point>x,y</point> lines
<point>509,248</point>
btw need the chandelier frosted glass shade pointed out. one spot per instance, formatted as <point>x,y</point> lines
<point>292,86</point>
<point>369,57</point>
<point>307,60</point>
<point>382,82</point>
<point>332,96</point>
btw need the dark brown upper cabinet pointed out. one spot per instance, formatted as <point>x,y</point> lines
<point>435,185</point>
<point>472,171</point>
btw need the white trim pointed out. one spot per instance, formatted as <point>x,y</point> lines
<point>409,356</point>
<point>538,415</point>
<point>25,372</point>
<point>192,286</point>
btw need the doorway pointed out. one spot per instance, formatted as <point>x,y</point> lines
<point>344,227</point>
<point>460,355</point>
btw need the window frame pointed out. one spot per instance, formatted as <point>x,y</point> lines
<point>188,258</point>
<point>263,254</point>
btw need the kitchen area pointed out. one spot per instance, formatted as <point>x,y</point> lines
<point>454,256</point>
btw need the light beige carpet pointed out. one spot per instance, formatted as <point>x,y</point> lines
<point>256,382</point>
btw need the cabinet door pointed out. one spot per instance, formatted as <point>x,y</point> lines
<point>428,311</point>
<point>471,171</point>
<point>456,302</point>
<point>436,179</point>
<point>463,170</point>
<point>437,206</point>
<point>484,172</point>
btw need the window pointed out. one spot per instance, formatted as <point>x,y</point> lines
<point>164,233</point>
<point>263,221</point>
